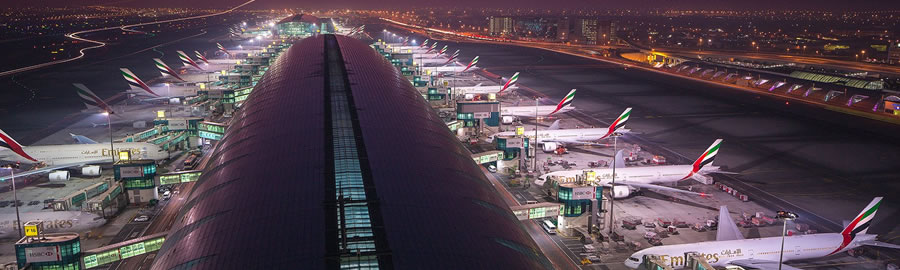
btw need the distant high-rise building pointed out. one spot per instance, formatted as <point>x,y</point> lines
<point>501,26</point>
<point>606,32</point>
<point>586,31</point>
<point>894,53</point>
<point>564,29</point>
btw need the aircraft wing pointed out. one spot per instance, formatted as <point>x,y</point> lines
<point>727,229</point>
<point>762,264</point>
<point>82,139</point>
<point>54,167</point>
<point>879,244</point>
<point>658,187</point>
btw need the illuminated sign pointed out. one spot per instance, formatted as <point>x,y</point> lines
<point>134,171</point>
<point>180,124</point>
<point>520,130</point>
<point>583,193</point>
<point>42,254</point>
<point>33,228</point>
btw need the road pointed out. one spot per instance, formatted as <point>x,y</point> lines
<point>99,44</point>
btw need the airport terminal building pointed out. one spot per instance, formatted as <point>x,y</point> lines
<point>335,161</point>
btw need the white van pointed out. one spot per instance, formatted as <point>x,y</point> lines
<point>549,227</point>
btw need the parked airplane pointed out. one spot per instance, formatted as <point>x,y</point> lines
<point>91,100</point>
<point>201,57</point>
<point>137,84</point>
<point>54,222</point>
<point>222,48</point>
<point>187,61</point>
<point>551,139</point>
<point>454,68</point>
<point>630,179</point>
<point>165,69</point>
<point>72,155</point>
<point>510,113</point>
<point>487,89</point>
<point>764,253</point>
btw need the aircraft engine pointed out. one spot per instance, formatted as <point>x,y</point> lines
<point>508,119</point>
<point>550,146</point>
<point>90,170</point>
<point>620,192</point>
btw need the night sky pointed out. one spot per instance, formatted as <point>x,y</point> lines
<point>838,5</point>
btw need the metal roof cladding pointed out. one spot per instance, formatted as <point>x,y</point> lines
<point>334,130</point>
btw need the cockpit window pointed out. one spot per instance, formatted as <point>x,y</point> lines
<point>634,259</point>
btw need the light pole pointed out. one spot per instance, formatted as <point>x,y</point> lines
<point>784,216</point>
<point>12,172</point>
<point>536,102</point>
<point>612,190</point>
<point>109,126</point>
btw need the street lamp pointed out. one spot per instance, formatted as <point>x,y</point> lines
<point>784,216</point>
<point>612,190</point>
<point>112,148</point>
<point>12,172</point>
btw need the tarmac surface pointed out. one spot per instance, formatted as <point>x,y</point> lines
<point>823,165</point>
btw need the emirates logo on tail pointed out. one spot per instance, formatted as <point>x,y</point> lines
<point>165,70</point>
<point>706,158</point>
<point>512,81</point>
<point>7,142</point>
<point>471,64</point>
<point>859,225</point>
<point>566,101</point>
<point>222,48</point>
<point>187,60</point>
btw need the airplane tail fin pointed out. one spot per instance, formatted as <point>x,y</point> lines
<point>91,100</point>
<point>135,82</point>
<point>186,60</point>
<point>619,160</point>
<point>566,101</point>
<point>618,123</point>
<point>9,143</point>
<point>859,225</point>
<point>555,125</point>
<point>512,80</point>
<point>727,230</point>
<point>165,69</point>
<point>471,64</point>
<point>201,57</point>
<point>222,48</point>
<point>705,159</point>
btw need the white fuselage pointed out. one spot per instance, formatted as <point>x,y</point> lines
<point>529,111</point>
<point>447,69</point>
<point>85,153</point>
<point>432,60</point>
<point>577,134</point>
<point>641,175</point>
<point>720,253</point>
<point>54,222</point>
<point>482,89</point>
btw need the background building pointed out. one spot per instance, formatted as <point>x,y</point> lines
<point>606,32</point>
<point>586,31</point>
<point>501,26</point>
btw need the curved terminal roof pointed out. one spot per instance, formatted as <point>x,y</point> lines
<point>336,161</point>
<point>300,18</point>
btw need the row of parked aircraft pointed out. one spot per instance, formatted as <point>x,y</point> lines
<point>730,247</point>
<point>57,157</point>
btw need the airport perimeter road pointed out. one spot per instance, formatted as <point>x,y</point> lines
<point>826,163</point>
<point>560,258</point>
